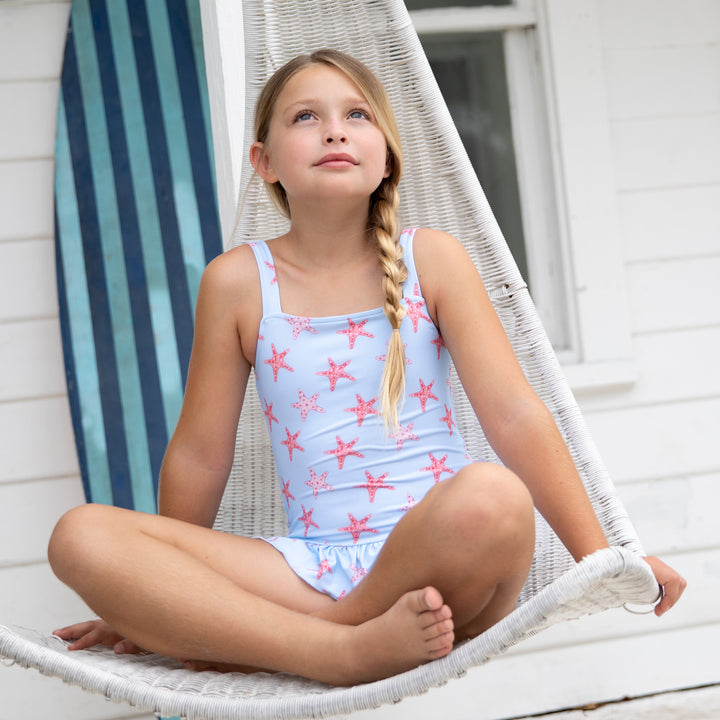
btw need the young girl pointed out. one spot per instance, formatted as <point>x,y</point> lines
<point>399,545</point>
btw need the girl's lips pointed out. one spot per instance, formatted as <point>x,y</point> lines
<point>336,160</point>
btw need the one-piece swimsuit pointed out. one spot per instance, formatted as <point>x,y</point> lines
<point>345,482</point>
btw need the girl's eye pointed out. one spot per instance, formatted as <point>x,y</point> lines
<point>359,114</point>
<point>303,115</point>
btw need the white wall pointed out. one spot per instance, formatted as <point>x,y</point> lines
<point>660,75</point>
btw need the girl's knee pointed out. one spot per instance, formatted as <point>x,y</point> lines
<point>74,537</point>
<point>489,497</point>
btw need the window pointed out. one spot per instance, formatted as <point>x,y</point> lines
<point>485,60</point>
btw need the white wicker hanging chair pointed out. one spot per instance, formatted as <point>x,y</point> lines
<point>439,190</point>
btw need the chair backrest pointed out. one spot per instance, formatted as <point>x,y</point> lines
<point>439,189</point>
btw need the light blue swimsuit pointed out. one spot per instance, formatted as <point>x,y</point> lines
<point>345,484</point>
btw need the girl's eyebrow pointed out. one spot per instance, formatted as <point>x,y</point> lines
<point>309,102</point>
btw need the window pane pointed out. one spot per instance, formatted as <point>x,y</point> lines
<point>426,4</point>
<point>470,70</point>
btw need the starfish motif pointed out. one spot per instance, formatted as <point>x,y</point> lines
<point>404,433</point>
<point>363,408</point>
<point>411,503</point>
<point>354,330</point>
<point>439,343</point>
<point>437,467</point>
<point>424,394</point>
<point>357,527</point>
<point>323,567</point>
<point>448,419</point>
<point>307,519</point>
<point>299,324</point>
<point>291,443</point>
<point>317,482</point>
<point>286,491</point>
<point>374,484</point>
<point>359,572</point>
<point>277,361</point>
<point>335,373</point>
<point>342,450</point>
<point>272,267</point>
<point>415,312</point>
<point>306,404</point>
<point>269,415</point>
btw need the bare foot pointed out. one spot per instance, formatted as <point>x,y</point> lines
<point>417,629</point>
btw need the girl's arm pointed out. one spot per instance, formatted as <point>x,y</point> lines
<point>516,422</point>
<point>200,454</point>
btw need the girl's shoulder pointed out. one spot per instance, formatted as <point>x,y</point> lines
<point>436,252</point>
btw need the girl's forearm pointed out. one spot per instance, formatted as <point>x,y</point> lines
<point>531,445</point>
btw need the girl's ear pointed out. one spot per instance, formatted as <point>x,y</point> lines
<point>260,160</point>
<point>389,164</point>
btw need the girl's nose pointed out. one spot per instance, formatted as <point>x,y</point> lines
<point>334,132</point>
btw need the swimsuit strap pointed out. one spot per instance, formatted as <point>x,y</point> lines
<point>406,242</point>
<point>268,279</point>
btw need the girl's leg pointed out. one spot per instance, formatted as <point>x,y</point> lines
<point>190,592</point>
<point>472,537</point>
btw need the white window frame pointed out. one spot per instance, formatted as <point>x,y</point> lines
<point>574,223</point>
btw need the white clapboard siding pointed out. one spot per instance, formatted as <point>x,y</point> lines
<point>26,206</point>
<point>674,294</point>
<point>652,81</point>
<point>671,222</point>
<point>32,361</point>
<point>29,119</point>
<point>669,440</point>
<point>667,152</point>
<point>659,23</point>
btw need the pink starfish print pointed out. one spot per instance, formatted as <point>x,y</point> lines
<point>363,408</point>
<point>411,502</point>
<point>424,394</point>
<point>448,419</point>
<point>336,372</point>
<point>359,572</point>
<point>437,467</point>
<point>307,519</point>
<point>291,442</point>
<point>342,450</point>
<point>323,567</point>
<point>404,433</point>
<point>277,361</point>
<point>354,330</point>
<point>306,404</point>
<point>299,324</point>
<point>439,343</point>
<point>357,527</point>
<point>415,312</point>
<point>374,484</point>
<point>272,267</point>
<point>286,491</point>
<point>317,483</point>
<point>269,414</point>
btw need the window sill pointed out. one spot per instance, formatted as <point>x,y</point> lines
<point>593,377</point>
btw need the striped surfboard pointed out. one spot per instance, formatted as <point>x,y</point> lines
<point>136,223</point>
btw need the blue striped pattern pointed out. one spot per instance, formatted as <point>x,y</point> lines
<point>136,223</point>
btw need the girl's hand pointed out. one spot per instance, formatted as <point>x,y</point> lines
<point>672,583</point>
<point>96,632</point>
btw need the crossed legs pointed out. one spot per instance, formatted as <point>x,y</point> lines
<point>189,592</point>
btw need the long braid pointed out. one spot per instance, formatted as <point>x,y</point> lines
<point>383,225</point>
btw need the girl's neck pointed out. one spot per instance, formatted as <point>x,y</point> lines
<point>326,237</point>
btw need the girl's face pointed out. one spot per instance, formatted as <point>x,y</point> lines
<point>324,141</point>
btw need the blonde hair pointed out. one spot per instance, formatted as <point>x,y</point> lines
<point>382,215</point>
